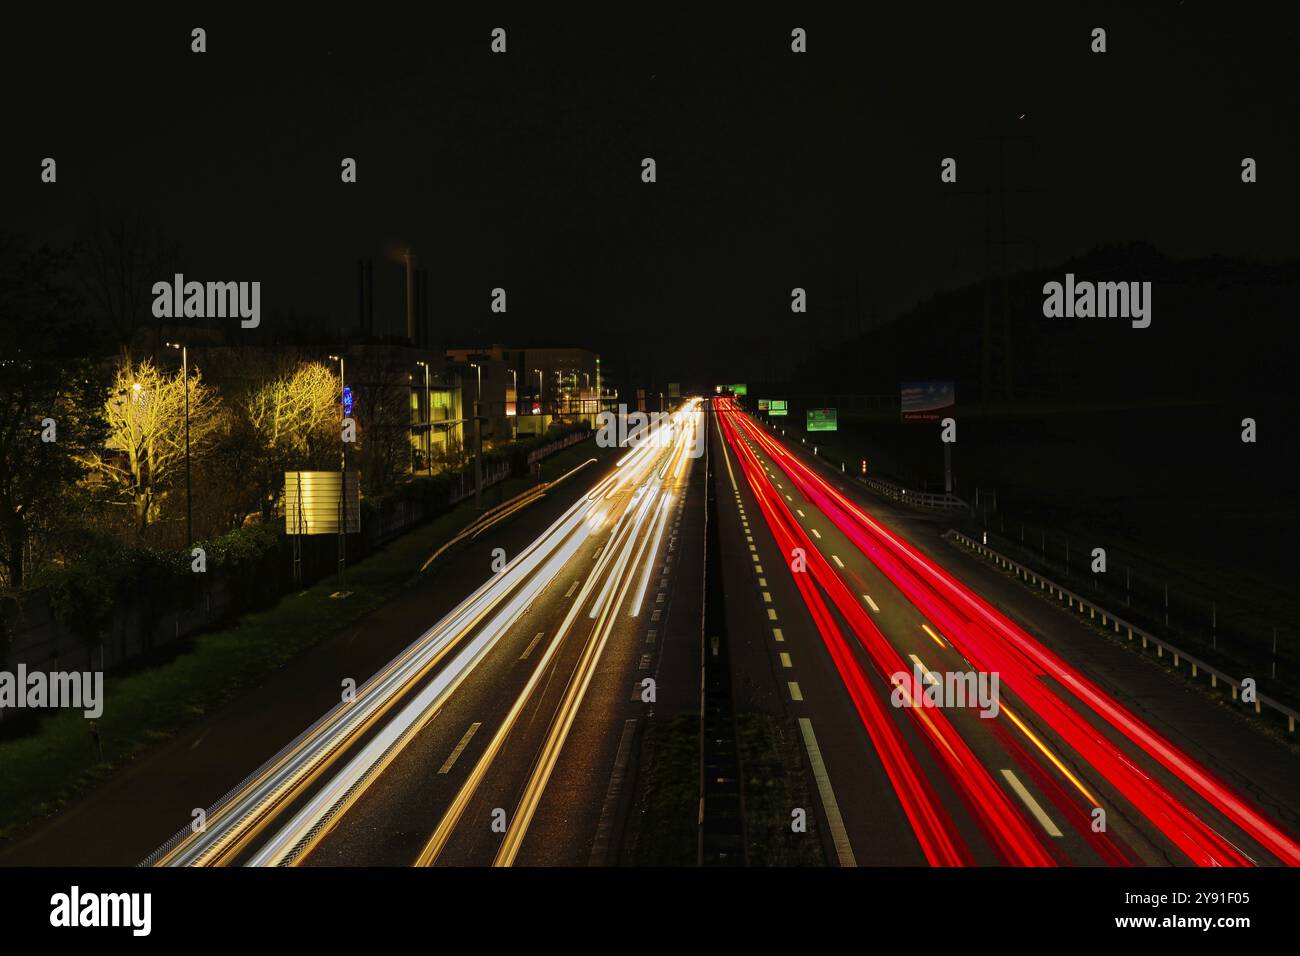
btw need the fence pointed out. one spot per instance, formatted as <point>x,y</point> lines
<point>914,499</point>
<point>550,448</point>
<point>493,473</point>
<point>1109,620</point>
<point>1238,628</point>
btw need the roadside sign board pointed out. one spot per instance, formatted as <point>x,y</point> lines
<point>778,406</point>
<point>822,420</point>
<point>927,401</point>
<point>311,502</point>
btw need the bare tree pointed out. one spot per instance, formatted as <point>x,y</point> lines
<point>292,423</point>
<point>381,388</point>
<point>145,448</point>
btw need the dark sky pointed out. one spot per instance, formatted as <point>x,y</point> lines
<point>775,169</point>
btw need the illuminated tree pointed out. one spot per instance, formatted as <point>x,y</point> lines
<point>144,454</point>
<point>290,422</point>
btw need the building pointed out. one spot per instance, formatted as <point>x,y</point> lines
<point>526,390</point>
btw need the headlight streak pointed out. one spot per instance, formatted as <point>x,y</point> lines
<point>623,537</point>
<point>662,523</point>
<point>348,784</point>
<point>613,561</point>
<point>242,815</point>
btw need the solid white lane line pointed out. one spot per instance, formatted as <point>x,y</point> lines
<point>839,835</point>
<point>1032,804</point>
<point>870,603</point>
<point>464,742</point>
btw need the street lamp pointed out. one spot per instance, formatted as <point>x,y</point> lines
<point>514,383</point>
<point>478,436</point>
<point>189,500</point>
<point>343,476</point>
<point>428,420</point>
<point>342,389</point>
<point>539,388</point>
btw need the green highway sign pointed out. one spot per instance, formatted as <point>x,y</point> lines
<point>778,406</point>
<point>822,420</point>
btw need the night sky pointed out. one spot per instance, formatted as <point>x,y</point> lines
<point>774,169</point>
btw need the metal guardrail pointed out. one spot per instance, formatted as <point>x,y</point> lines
<point>916,499</point>
<point>1109,620</point>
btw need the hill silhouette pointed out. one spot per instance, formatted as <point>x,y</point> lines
<point>1221,328</point>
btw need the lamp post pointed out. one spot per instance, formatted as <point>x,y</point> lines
<point>514,382</point>
<point>189,498</point>
<point>428,420</point>
<point>478,437</point>
<point>343,476</point>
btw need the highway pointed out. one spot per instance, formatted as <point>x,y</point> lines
<point>1063,772</point>
<point>928,724</point>
<point>449,753</point>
